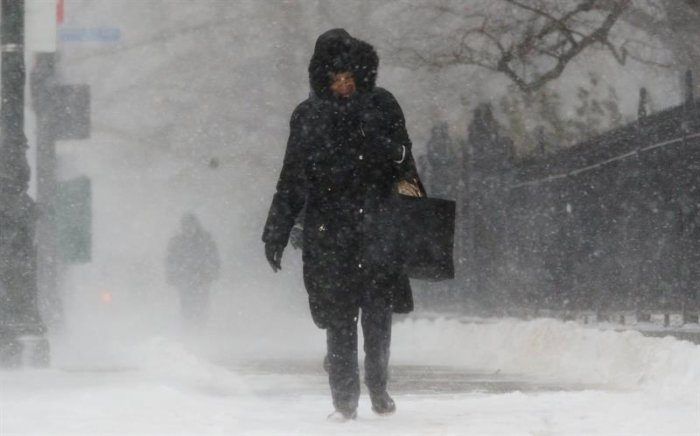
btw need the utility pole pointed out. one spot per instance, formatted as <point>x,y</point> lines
<point>42,84</point>
<point>22,331</point>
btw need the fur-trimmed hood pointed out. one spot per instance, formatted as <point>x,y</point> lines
<point>336,51</point>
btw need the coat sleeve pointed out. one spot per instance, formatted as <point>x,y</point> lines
<point>397,133</point>
<point>290,194</point>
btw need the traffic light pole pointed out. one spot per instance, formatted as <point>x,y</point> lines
<point>42,82</point>
<point>22,331</point>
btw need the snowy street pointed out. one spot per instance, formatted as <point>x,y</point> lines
<point>507,378</point>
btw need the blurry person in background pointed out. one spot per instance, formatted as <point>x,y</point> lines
<point>348,153</point>
<point>192,265</point>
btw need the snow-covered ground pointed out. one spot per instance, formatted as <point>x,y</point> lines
<point>504,377</point>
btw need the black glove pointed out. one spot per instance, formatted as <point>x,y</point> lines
<point>273,252</point>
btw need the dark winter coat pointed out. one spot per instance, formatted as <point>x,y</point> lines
<point>192,260</point>
<point>339,163</point>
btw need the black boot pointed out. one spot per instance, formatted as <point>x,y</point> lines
<point>342,415</point>
<point>382,403</point>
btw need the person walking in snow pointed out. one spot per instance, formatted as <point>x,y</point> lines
<point>192,265</point>
<point>348,152</point>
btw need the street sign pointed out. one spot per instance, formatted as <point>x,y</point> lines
<point>89,34</point>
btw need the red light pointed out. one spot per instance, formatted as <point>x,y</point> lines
<point>105,296</point>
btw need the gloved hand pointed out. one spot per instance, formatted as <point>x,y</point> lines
<point>409,188</point>
<point>273,252</point>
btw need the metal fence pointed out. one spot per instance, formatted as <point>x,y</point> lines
<point>609,224</point>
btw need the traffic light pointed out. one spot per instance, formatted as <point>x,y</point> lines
<point>70,111</point>
<point>73,209</point>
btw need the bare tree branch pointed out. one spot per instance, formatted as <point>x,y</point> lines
<point>530,42</point>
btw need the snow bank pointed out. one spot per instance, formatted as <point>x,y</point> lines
<point>545,350</point>
<point>551,350</point>
<point>170,362</point>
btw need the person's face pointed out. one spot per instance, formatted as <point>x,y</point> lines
<point>342,84</point>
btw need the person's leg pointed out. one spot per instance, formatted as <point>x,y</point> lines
<point>193,306</point>
<point>343,372</point>
<point>200,306</point>
<point>184,294</point>
<point>376,328</point>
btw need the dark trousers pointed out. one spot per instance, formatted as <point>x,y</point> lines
<point>194,305</point>
<point>341,336</point>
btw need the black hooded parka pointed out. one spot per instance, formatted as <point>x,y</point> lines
<point>341,162</point>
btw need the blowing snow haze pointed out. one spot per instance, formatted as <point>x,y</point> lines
<point>190,105</point>
<point>190,83</point>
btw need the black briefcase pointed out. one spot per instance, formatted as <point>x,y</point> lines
<point>414,233</point>
<point>427,237</point>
